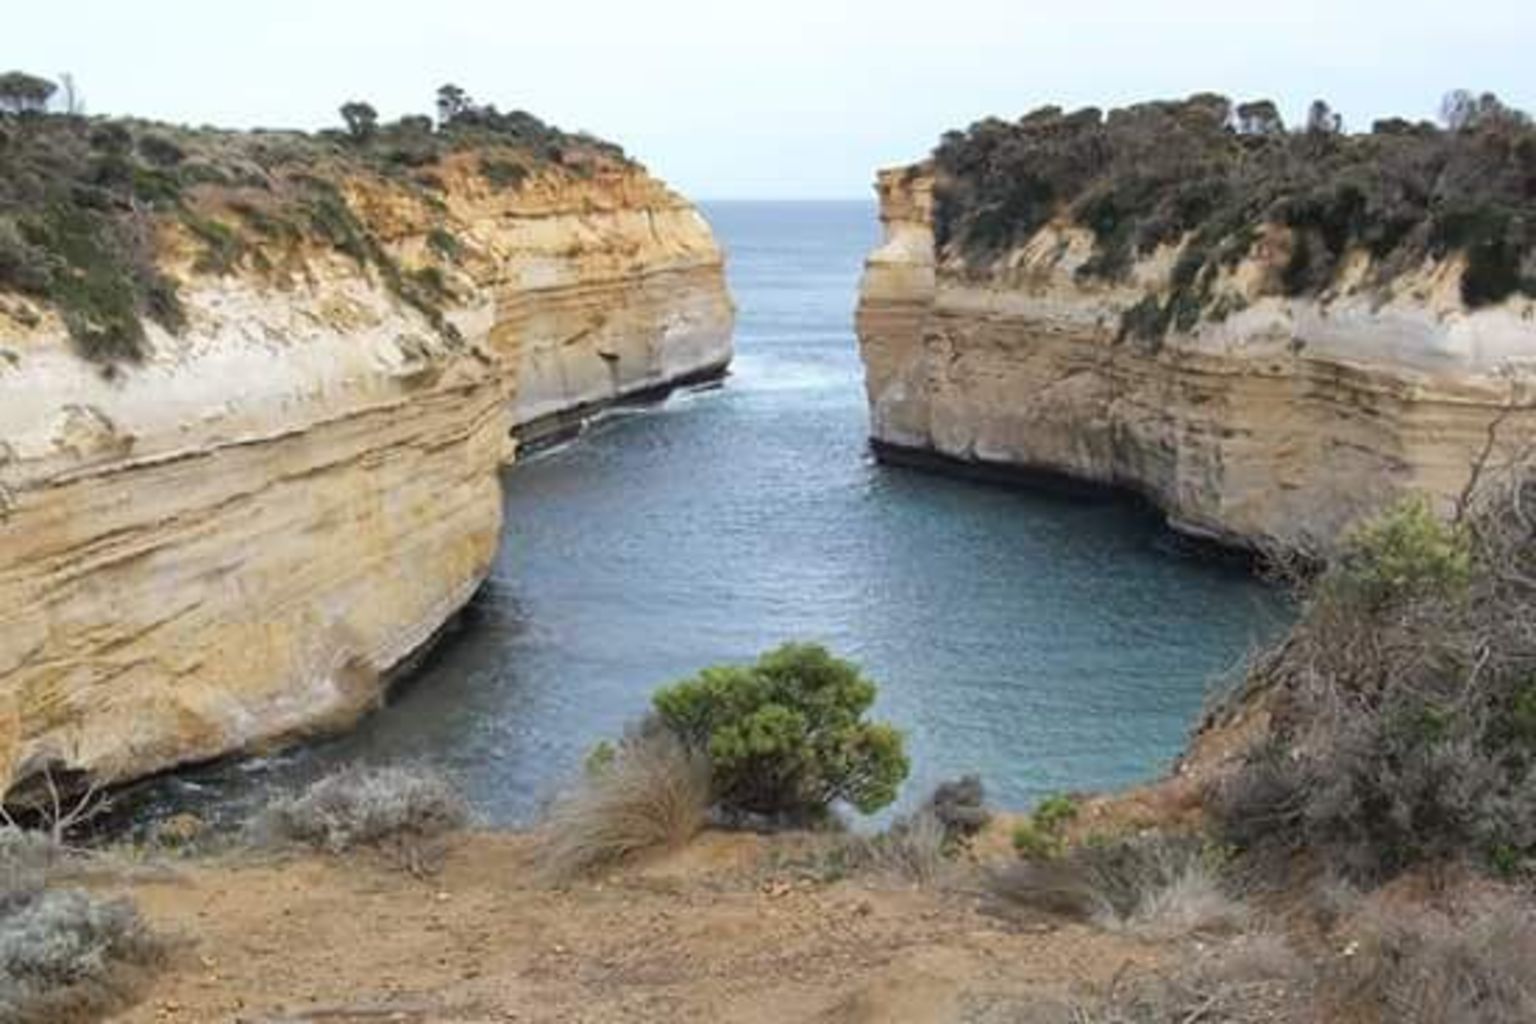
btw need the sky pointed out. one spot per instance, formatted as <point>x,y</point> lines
<point>794,99</point>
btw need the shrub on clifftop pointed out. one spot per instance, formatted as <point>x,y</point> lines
<point>783,738</point>
<point>91,208</point>
<point>786,736</point>
<point>1210,178</point>
<point>1403,704</point>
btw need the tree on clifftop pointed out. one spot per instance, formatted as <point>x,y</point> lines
<point>1260,117</point>
<point>21,93</point>
<point>1463,111</point>
<point>1322,120</point>
<point>452,102</point>
<point>362,120</point>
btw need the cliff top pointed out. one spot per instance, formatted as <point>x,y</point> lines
<point>89,206</point>
<point>1212,176</point>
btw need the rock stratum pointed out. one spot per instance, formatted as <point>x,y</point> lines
<point>1278,422</point>
<point>234,536</point>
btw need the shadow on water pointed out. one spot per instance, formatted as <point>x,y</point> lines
<point>1049,641</point>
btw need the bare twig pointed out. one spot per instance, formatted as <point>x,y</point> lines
<point>60,820</point>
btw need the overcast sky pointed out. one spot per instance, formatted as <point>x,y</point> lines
<point>781,98</point>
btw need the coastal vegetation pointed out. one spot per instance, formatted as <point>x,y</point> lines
<point>783,739</point>
<point>786,736</point>
<point>1041,834</point>
<point>647,792</point>
<point>397,809</point>
<point>1210,177</point>
<point>66,954</point>
<point>1368,856</point>
<point>1384,801</point>
<point>1403,704</point>
<point>84,201</point>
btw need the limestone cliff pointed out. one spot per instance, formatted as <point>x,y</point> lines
<point>1278,422</point>
<point>610,293</point>
<point>235,537</point>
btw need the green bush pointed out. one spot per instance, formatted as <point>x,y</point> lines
<point>1408,549</point>
<point>1040,836</point>
<point>503,173</point>
<point>786,736</point>
<point>222,246</point>
<point>445,243</point>
<point>1055,812</point>
<point>23,266</point>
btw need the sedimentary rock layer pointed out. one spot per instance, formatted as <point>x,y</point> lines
<point>602,289</point>
<point>1278,425</point>
<point>237,540</point>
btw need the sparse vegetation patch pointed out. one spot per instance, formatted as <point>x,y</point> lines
<point>84,201</point>
<point>399,810</point>
<point>1153,883</point>
<point>1402,714</point>
<point>70,956</point>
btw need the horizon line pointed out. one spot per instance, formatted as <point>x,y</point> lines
<point>775,199</point>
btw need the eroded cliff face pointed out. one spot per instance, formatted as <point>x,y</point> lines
<point>1278,424</point>
<point>238,539</point>
<point>602,288</point>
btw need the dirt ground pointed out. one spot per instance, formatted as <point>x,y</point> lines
<point>713,933</point>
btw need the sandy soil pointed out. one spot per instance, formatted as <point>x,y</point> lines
<point>713,933</point>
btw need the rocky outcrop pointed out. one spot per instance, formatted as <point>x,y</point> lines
<point>1279,422</point>
<point>604,290</point>
<point>237,540</point>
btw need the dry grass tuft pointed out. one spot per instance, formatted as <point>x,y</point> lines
<point>650,793</point>
<point>1163,886</point>
<point>1190,901</point>
<point>915,850</point>
<point>922,848</point>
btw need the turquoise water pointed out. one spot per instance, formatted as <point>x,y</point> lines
<point>1047,642</point>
